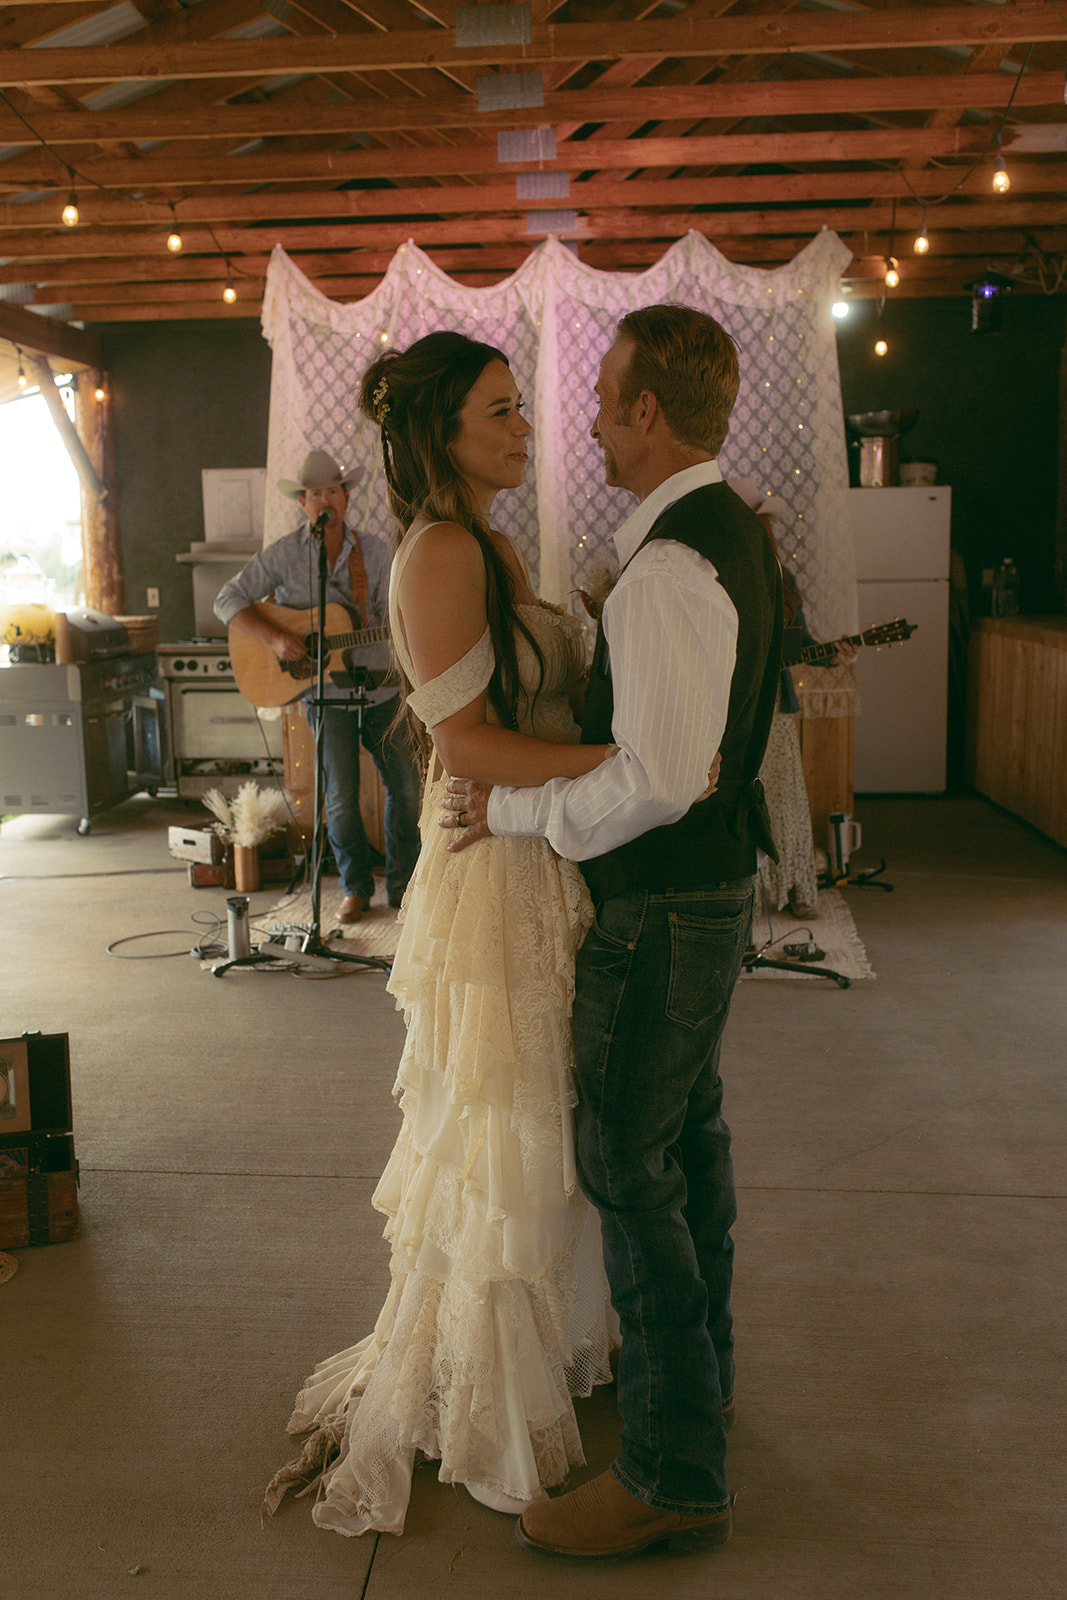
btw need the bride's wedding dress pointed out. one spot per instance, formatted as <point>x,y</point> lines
<point>498,1311</point>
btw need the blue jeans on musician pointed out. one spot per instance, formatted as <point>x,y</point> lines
<point>393,757</point>
<point>654,981</point>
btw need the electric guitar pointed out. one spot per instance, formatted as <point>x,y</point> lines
<point>266,681</point>
<point>895,632</point>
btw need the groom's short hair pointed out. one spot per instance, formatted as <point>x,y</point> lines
<point>689,362</point>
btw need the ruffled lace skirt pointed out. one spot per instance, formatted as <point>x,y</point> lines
<point>793,878</point>
<point>498,1309</point>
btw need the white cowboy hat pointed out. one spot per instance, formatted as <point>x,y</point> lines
<point>764,505</point>
<point>319,471</point>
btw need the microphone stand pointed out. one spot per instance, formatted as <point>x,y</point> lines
<point>314,946</point>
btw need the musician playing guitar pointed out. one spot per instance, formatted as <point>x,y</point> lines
<point>793,879</point>
<point>358,580</point>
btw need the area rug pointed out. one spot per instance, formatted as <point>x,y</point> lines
<point>375,934</point>
<point>832,931</point>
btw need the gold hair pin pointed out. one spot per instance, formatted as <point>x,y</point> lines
<point>381,394</point>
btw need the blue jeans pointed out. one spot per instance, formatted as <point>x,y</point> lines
<point>654,981</point>
<point>393,757</point>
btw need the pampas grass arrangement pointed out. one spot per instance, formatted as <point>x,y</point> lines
<point>252,816</point>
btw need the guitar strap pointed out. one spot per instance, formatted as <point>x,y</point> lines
<point>357,577</point>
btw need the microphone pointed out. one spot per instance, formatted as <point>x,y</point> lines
<point>319,525</point>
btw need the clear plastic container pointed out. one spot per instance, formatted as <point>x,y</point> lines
<point>1006,589</point>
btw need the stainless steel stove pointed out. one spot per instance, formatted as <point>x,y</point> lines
<point>216,739</point>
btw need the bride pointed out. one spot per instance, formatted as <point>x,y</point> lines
<point>498,1311</point>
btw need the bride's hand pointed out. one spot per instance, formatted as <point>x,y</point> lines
<point>713,777</point>
<point>465,808</point>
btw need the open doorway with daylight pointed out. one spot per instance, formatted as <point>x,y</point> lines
<point>42,565</point>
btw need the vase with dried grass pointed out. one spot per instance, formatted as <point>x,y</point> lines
<point>244,823</point>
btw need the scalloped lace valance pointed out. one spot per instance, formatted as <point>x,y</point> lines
<point>555,317</point>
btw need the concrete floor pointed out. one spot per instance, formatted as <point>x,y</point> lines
<point>900,1281</point>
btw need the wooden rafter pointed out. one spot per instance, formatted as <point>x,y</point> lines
<point>347,127</point>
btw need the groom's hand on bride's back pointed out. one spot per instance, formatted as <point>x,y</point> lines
<point>464,811</point>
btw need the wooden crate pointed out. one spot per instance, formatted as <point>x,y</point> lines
<point>39,1209</point>
<point>38,1170</point>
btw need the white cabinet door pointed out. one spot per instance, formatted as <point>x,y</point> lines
<point>901,732</point>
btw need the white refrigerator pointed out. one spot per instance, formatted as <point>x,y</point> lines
<point>902,567</point>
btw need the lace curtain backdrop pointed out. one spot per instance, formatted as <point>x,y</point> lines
<point>554,318</point>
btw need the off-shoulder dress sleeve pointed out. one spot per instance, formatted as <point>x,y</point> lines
<point>456,687</point>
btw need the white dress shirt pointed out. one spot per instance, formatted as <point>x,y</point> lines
<point>671,630</point>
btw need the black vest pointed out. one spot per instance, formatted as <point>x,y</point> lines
<point>716,839</point>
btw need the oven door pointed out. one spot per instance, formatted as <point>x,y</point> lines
<point>214,722</point>
<point>217,741</point>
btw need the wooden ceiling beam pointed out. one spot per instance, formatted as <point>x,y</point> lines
<point>784,33</point>
<point>47,337</point>
<point>480,160</point>
<point>333,165</point>
<point>948,252</point>
<point>500,199</point>
<point>818,97</point>
<point>1002,214</point>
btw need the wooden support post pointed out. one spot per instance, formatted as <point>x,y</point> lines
<point>105,587</point>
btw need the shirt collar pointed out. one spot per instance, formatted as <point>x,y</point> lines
<point>640,520</point>
<point>305,534</point>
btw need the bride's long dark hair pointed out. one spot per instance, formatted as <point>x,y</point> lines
<point>415,396</point>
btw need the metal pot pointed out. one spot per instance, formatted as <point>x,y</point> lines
<point>875,440</point>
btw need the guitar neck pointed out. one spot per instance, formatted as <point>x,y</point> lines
<point>813,654</point>
<point>356,641</point>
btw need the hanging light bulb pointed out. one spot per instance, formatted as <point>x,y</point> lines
<point>99,393</point>
<point>881,348</point>
<point>892,274</point>
<point>22,375</point>
<point>1001,180</point>
<point>229,294</point>
<point>174,238</point>
<point>70,210</point>
<point>922,243</point>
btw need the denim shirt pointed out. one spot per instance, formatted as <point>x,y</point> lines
<point>288,571</point>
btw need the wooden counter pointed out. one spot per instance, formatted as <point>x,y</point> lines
<point>1016,750</point>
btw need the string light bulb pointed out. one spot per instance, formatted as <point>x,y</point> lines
<point>229,294</point>
<point>99,393</point>
<point>174,238</point>
<point>70,211</point>
<point>1001,180</point>
<point>881,348</point>
<point>892,273</point>
<point>922,242</point>
<point>22,376</point>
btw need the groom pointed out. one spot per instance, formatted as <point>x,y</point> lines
<point>686,663</point>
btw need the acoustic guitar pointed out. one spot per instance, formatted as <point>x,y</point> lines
<point>266,681</point>
<point>895,632</point>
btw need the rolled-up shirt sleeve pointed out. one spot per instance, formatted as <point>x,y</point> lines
<point>671,631</point>
<point>258,579</point>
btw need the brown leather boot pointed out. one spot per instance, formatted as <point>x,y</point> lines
<point>352,908</point>
<point>603,1519</point>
